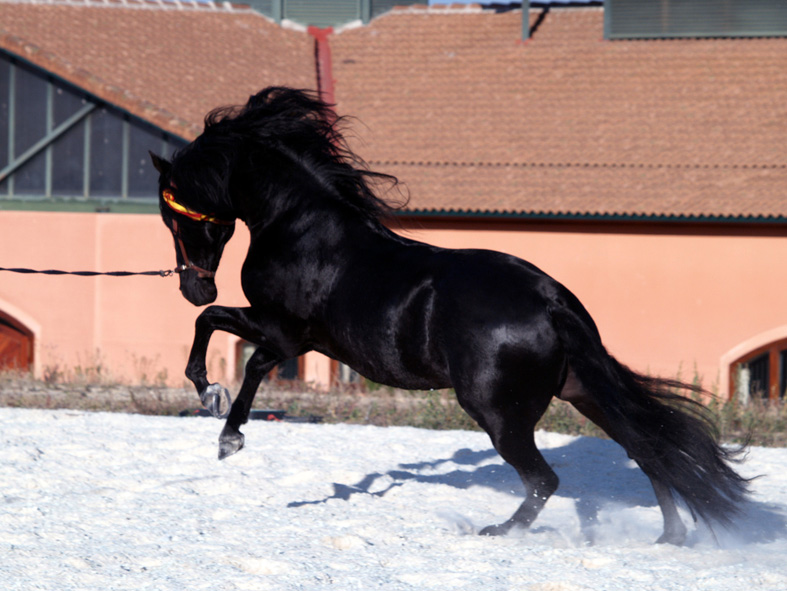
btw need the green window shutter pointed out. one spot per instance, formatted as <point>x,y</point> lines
<point>322,13</point>
<point>632,19</point>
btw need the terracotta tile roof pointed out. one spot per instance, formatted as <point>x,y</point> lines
<point>167,62</point>
<point>566,123</point>
<point>450,101</point>
<point>618,191</point>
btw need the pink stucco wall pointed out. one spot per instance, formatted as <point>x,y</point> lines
<point>133,328</point>
<point>685,300</point>
<point>668,300</point>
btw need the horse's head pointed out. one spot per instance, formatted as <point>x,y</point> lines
<point>199,238</point>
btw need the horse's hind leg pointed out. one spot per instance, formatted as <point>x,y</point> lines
<point>674,528</point>
<point>510,423</point>
<point>519,449</point>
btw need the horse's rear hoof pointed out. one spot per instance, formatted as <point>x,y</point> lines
<point>675,535</point>
<point>676,538</point>
<point>500,529</point>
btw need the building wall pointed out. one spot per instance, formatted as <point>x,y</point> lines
<point>129,328</point>
<point>668,300</point>
<point>671,300</point>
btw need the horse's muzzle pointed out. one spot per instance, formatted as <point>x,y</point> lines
<point>200,291</point>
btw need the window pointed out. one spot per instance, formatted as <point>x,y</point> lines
<point>31,119</point>
<point>288,371</point>
<point>325,13</point>
<point>761,374</point>
<point>343,375</point>
<point>347,375</point>
<point>58,142</point>
<point>654,19</point>
<point>758,373</point>
<point>5,78</point>
<point>141,174</point>
<point>322,14</point>
<point>106,157</point>
<point>782,374</point>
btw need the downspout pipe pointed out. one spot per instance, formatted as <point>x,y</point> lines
<point>324,63</point>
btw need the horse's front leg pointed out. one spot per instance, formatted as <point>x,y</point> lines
<point>237,321</point>
<point>231,439</point>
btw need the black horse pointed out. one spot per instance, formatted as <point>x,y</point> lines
<point>324,273</point>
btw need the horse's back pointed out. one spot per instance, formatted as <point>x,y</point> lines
<point>489,279</point>
<point>426,316</point>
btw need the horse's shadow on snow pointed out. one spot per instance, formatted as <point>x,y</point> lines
<point>594,472</point>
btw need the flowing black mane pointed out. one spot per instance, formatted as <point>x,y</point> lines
<point>294,122</point>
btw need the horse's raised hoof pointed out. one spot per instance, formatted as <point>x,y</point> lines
<point>230,444</point>
<point>217,400</point>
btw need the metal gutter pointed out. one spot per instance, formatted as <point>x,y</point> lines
<point>591,217</point>
<point>79,206</point>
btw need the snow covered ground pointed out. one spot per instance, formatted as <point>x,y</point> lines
<point>110,501</point>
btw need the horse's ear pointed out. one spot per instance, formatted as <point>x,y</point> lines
<point>163,166</point>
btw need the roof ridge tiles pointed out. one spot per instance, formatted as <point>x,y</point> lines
<point>488,8</point>
<point>456,8</point>
<point>200,5</point>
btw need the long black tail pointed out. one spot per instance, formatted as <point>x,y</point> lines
<point>674,439</point>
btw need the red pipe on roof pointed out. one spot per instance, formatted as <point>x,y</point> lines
<point>324,63</point>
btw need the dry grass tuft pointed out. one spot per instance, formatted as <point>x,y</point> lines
<point>760,423</point>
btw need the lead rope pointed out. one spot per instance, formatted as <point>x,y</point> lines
<point>187,264</point>
<point>169,198</point>
<point>162,273</point>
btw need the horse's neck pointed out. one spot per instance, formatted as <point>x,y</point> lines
<point>325,225</point>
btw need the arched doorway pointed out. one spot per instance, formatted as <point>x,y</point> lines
<point>16,345</point>
<point>761,373</point>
